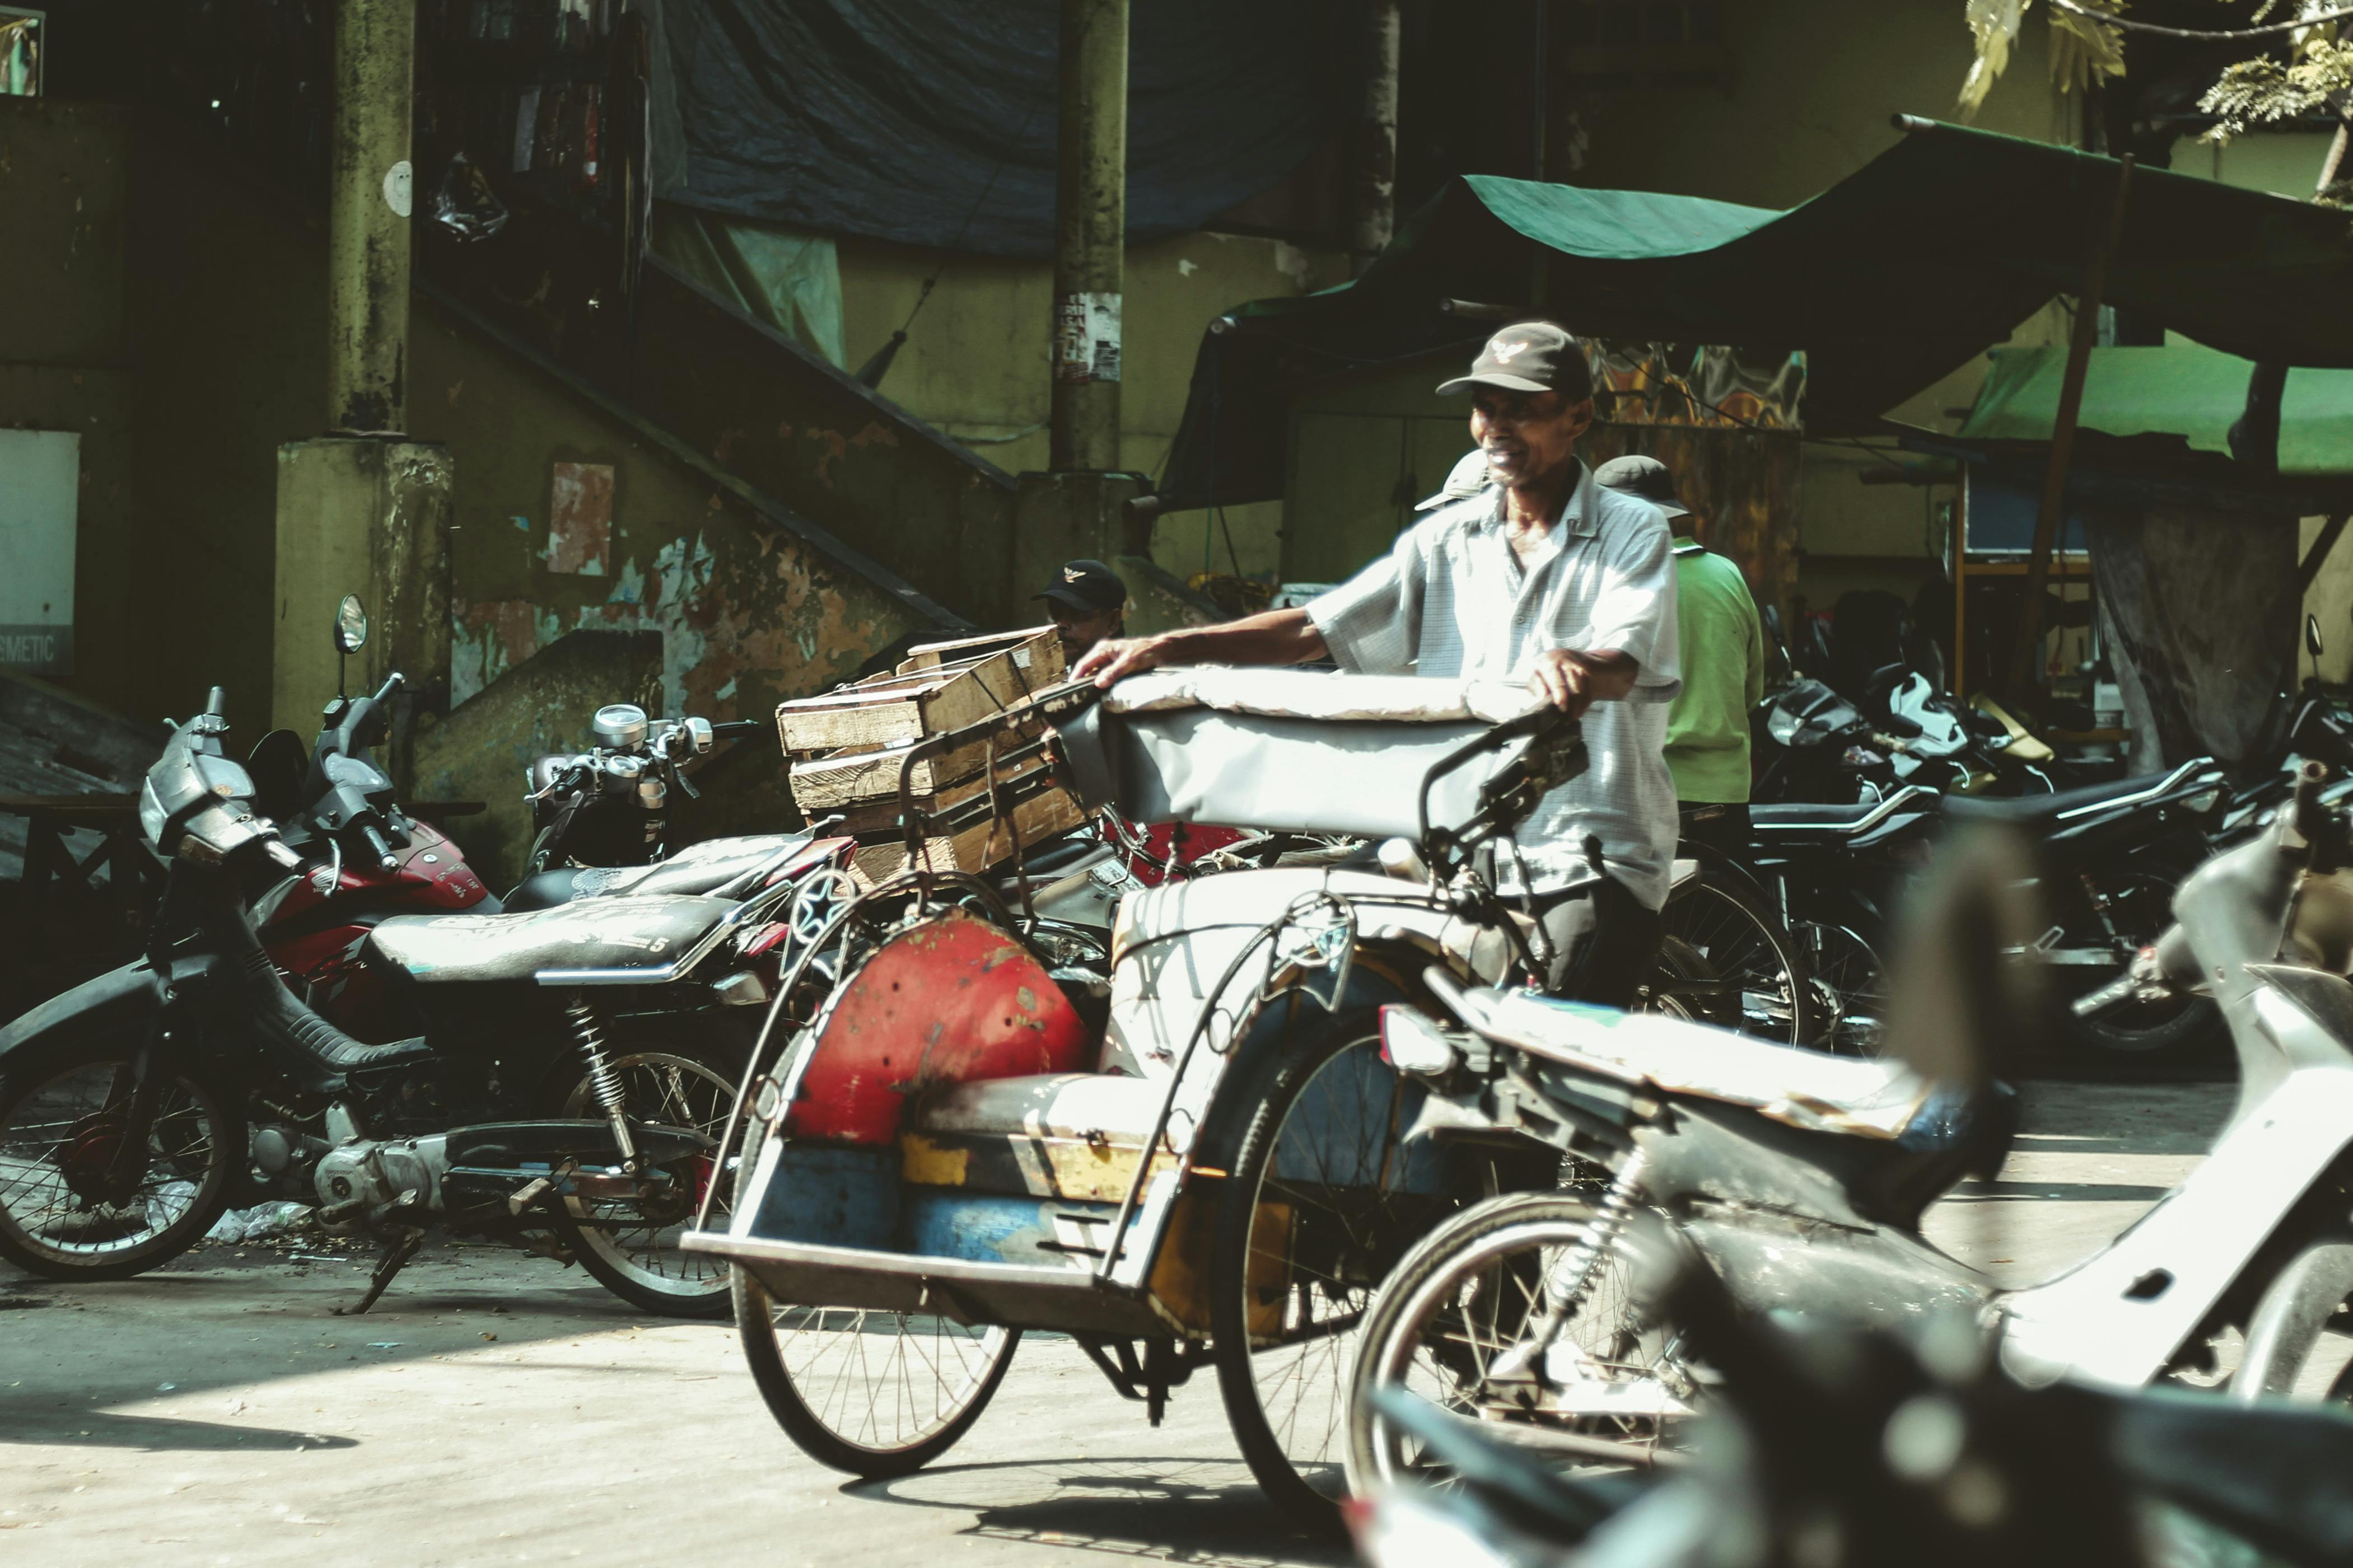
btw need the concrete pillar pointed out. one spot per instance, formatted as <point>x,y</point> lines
<point>370,185</point>
<point>1372,218</point>
<point>369,517</point>
<point>1090,263</point>
<point>363,509</point>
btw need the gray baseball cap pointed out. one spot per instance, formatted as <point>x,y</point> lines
<point>1645,476</point>
<point>1529,356</point>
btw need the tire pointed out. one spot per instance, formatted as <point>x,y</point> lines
<point>786,1345</point>
<point>1285,1398</point>
<point>1478,1279</point>
<point>2299,1342</point>
<point>2169,1031</point>
<point>54,1121</point>
<point>1720,917</point>
<point>1850,988</point>
<point>1682,985</point>
<point>642,1263</point>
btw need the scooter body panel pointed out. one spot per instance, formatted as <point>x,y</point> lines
<point>2119,1318</point>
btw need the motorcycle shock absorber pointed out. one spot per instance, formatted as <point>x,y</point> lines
<point>602,1082</point>
<point>1570,1281</point>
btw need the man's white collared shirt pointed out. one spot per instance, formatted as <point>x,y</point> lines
<point>1452,600</point>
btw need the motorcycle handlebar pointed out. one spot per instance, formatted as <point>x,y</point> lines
<point>734,727</point>
<point>379,846</point>
<point>392,683</point>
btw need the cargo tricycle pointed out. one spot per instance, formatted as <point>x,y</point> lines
<point>1189,1153</point>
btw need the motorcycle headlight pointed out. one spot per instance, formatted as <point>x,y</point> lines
<point>1783,726</point>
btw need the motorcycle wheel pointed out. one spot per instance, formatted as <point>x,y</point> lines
<point>2169,1029</point>
<point>1303,1239</point>
<point>1467,1294</point>
<point>2296,1347</point>
<point>1748,949</point>
<point>631,1248</point>
<point>60,1124</point>
<point>874,1393</point>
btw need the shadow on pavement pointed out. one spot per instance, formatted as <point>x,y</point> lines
<point>1205,1512</point>
<point>158,1433</point>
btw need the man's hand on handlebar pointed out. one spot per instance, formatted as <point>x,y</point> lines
<point>1573,681</point>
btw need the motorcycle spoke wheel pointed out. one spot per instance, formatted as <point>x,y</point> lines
<point>1320,1202</point>
<point>61,1131</point>
<point>1766,989</point>
<point>874,1394</point>
<point>630,1246</point>
<point>1468,1296</point>
<point>1850,986</point>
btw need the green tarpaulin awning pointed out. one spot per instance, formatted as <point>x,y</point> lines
<point>2179,390</point>
<point>1923,259</point>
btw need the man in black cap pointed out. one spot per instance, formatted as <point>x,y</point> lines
<point>1089,604</point>
<point>1536,574</point>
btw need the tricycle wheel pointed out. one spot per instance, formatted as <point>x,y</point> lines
<point>1321,1201</point>
<point>875,1393</point>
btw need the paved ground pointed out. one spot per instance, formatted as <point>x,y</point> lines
<point>498,1409</point>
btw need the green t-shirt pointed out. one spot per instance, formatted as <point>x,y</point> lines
<point>1722,648</point>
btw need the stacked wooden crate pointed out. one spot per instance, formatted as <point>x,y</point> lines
<point>847,749</point>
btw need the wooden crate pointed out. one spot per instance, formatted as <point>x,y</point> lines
<point>847,748</point>
<point>907,705</point>
<point>976,849</point>
<point>879,817</point>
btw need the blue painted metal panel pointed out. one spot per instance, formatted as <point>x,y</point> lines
<point>829,1195</point>
<point>986,1228</point>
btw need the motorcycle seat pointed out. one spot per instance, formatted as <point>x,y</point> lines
<point>1047,1135</point>
<point>1808,1089</point>
<point>2046,811</point>
<point>641,932</point>
<point>697,869</point>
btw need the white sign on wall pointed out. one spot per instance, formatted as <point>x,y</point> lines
<point>41,495</point>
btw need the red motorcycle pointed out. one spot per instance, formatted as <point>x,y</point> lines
<point>367,860</point>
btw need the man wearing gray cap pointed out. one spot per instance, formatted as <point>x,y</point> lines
<point>1538,575</point>
<point>1722,646</point>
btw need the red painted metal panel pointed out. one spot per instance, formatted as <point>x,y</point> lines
<point>949,1001</point>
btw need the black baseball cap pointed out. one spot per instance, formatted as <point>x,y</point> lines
<point>1530,356</point>
<point>1088,586</point>
<point>1645,476</point>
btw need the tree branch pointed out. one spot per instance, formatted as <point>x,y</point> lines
<point>2274,29</point>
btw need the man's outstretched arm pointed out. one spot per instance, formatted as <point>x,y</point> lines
<point>1271,636</point>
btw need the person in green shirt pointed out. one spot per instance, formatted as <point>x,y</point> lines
<point>1722,648</point>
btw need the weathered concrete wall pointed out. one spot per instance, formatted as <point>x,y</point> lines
<point>974,361</point>
<point>483,750</point>
<point>221,305</point>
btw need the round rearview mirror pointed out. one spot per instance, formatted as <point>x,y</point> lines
<point>2312,636</point>
<point>351,624</point>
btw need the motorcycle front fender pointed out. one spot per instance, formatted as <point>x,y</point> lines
<point>116,1007</point>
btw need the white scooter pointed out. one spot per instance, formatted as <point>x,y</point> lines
<point>1801,1181</point>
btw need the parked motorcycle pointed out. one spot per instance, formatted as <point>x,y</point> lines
<point>1801,1181</point>
<point>609,806</point>
<point>566,1094</point>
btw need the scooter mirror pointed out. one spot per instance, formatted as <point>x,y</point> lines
<point>2312,636</point>
<point>351,624</point>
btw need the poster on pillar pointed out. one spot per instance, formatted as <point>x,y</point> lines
<point>1086,337</point>
<point>40,491</point>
